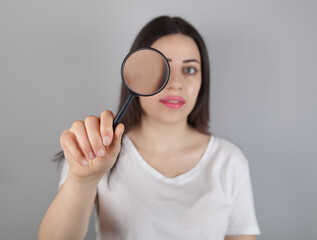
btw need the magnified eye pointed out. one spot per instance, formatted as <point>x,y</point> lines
<point>190,70</point>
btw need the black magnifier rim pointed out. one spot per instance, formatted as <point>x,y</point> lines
<point>126,58</point>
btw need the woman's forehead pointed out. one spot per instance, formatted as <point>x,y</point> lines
<point>177,46</point>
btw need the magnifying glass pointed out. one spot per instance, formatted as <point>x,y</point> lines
<point>145,72</point>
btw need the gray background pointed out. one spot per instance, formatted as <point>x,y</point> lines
<point>60,61</point>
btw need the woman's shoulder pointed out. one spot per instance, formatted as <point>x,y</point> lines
<point>229,154</point>
<point>228,146</point>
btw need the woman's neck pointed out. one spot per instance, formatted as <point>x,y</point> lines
<point>171,149</point>
<point>160,136</point>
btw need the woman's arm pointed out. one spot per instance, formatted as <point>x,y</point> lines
<point>69,213</point>
<point>90,148</point>
<point>240,237</point>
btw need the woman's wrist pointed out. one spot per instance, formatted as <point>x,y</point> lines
<point>83,183</point>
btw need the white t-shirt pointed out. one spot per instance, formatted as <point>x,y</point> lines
<point>211,200</point>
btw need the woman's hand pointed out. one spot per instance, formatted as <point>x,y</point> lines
<point>91,146</point>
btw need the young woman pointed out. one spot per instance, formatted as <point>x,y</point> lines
<point>172,179</point>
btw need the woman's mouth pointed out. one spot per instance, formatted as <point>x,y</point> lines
<point>173,102</point>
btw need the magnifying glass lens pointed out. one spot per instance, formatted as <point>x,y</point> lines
<point>145,72</point>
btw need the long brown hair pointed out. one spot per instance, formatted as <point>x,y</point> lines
<point>152,31</point>
<point>155,29</point>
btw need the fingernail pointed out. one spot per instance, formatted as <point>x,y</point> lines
<point>101,153</point>
<point>92,155</point>
<point>84,163</point>
<point>106,141</point>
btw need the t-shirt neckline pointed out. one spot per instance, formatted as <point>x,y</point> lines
<point>180,179</point>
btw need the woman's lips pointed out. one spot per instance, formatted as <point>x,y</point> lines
<point>173,102</point>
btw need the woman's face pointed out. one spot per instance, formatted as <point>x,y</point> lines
<point>176,101</point>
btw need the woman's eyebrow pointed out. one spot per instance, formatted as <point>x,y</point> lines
<point>186,61</point>
<point>191,60</point>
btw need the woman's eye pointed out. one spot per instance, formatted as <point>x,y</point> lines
<point>190,70</point>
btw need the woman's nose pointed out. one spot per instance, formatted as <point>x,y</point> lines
<point>175,81</point>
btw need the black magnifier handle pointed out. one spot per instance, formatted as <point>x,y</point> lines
<point>122,111</point>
